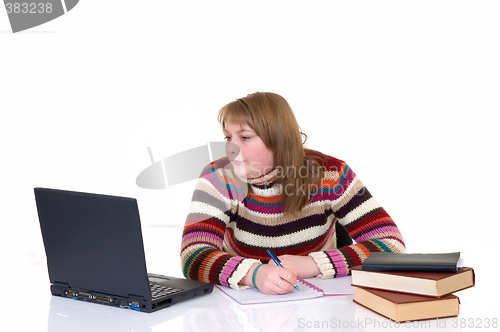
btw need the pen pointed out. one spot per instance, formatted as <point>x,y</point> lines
<point>277,261</point>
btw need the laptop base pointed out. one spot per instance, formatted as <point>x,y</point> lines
<point>136,303</point>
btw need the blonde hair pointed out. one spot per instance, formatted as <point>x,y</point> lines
<point>272,119</point>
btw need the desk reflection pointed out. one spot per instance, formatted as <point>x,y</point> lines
<point>227,314</point>
<point>217,312</point>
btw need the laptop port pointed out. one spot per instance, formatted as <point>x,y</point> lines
<point>135,306</point>
<point>122,303</point>
<point>103,298</point>
<point>71,294</point>
<point>161,303</point>
<point>85,296</point>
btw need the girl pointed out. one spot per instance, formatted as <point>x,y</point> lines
<point>272,193</point>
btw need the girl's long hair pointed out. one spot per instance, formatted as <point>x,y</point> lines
<point>272,119</point>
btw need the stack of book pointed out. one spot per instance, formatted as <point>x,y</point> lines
<point>409,287</point>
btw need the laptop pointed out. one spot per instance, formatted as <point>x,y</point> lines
<point>95,253</point>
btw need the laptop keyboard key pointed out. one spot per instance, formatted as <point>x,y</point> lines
<point>159,291</point>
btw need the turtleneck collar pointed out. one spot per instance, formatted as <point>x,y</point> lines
<point>264,180</point>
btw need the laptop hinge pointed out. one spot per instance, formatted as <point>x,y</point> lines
<point>136,297</point>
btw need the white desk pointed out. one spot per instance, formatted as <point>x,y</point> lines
<point>32,307</point>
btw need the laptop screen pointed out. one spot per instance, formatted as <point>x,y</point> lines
<point>93,242</point>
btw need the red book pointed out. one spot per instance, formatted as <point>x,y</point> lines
<point>434,284</point>
<point>401,307</point>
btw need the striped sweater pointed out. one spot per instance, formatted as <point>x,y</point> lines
<point>229,228</point>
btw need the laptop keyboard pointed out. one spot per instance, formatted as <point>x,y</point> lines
<point>159,291</point>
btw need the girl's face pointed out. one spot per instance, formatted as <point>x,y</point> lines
<point>248,153</point>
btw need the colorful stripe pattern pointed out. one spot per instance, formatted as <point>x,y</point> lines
<point>228,228</point>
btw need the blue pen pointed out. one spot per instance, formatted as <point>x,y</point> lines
<point>277,261</point>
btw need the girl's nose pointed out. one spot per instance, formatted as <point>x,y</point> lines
<point>232,150</point>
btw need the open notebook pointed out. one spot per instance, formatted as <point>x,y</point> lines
<point>309,288</point>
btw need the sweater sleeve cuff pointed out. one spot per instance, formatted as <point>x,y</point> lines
<point>327,269</point>
<point>240,272</point>
<point>324,264</point>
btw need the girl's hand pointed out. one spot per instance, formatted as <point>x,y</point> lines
<point>305,266</point>
<point>271,279</point>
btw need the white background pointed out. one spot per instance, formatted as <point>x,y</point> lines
<point>404,91</point>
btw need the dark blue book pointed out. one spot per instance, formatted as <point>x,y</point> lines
<point>386,261</point>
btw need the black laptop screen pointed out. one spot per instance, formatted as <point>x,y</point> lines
<point>93,242</point>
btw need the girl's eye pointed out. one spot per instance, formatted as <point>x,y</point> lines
<point>227,138</point>
<point>245,138</point>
